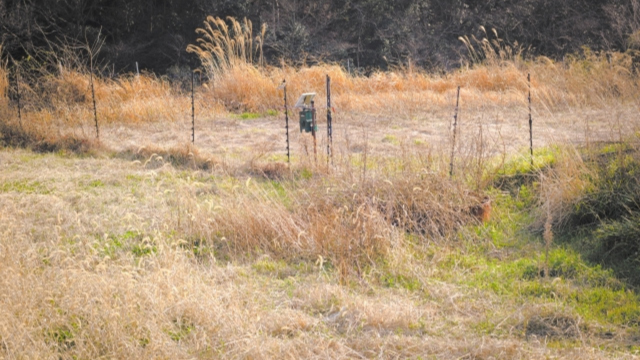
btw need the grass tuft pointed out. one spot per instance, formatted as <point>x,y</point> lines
<point>185,156</point>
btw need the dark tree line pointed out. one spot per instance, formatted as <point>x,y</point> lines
<point>371,33</point>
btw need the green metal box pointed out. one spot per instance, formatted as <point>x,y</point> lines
<point>306,121</point>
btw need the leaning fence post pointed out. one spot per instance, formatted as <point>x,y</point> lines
<point>455,124</point>
<point>530,121</point>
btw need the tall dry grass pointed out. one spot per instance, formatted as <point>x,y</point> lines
<point>226,46</point>
<point>117,261</point>
<point>239,81</point>
<point>4,81</point>
<point>76,304</point>
<point>5,106</point>
<point>496,74</point>
<point>102,271</point>
<point>590,81</point>
<point>56,94</point>
<point>123,261</point>
<point>65,99</point>
<point>352,226</point>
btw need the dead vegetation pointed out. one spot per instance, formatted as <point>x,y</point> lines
<point>175,250</point>
<point>126,260</point>
<point>185,156</point>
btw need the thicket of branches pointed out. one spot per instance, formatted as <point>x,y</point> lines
<point>371,33</point>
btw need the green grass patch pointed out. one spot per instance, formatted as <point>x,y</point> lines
<point>506,258</point>
<point>96,184</point>
<point>400,281</point>
<point>141,250</point>
<point>130,241</point>
<point>280,269</point>
<point>510,216</point>
<point>268,266</point>
<point>277,190</point>
<point>277,158</point>
<point>248,116</point>
<point>517,171</point>
<point>24,187</point>
<point>306,174</point>
<point>594,292</point>
<point>63,336</point>
<point>29,157</point>
<point>111,247</point>
<point>419,142</point>
<point>180,330</point>
<point>391,139</point>
<point>604,223</point>
<point>134,178</point>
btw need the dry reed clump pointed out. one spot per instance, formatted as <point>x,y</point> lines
<point>184,156</point>
<point>497,74</point>
<point>243,88</point>
<point>68,143</point>
<point>66,88</point>
<point>62,97</point>
<point>4,83</point>
<point>561,187</point>
<point>493,78</point>
<point>431,205</point>
<point>40,139</point>
<point>305,225</point>
<point>351,227</point>
<point>590,80</point>
<point>147,98</point>
<point>225,46</point>
<point>130,100</point>
<point>270,170</point>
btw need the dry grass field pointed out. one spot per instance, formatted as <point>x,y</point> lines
<point>142,245</point>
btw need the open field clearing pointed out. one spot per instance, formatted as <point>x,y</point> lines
<point>239,112</point>
<point>500,130</point>
<point>104,258</point>
<point>140,244</point>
